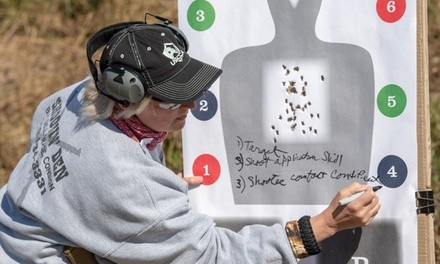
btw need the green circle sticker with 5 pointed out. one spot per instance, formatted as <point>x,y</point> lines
<point>391,100</point>
<point>201,15</point>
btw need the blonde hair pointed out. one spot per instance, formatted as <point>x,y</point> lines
<point>97,106</point>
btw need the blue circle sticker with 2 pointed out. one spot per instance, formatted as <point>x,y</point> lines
<point>206,107</point>
<point>392,171</point>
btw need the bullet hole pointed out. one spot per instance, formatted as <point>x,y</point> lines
<point>291,90</point>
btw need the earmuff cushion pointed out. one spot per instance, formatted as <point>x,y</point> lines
<point>123,84</point>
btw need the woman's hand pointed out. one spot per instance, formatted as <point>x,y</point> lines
<point>191,180</point>
<point>358,213</point>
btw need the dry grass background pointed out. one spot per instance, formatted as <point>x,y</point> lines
<point>42,50</point>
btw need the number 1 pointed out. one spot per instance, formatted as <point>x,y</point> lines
<point>206,171</point>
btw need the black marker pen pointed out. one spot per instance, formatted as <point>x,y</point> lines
<point>354,196</point>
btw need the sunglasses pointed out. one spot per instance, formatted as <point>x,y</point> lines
<point>166,105</point>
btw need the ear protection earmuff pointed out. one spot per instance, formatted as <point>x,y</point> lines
<point>119,82</point>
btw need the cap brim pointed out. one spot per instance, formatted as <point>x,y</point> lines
<point>188,85</point>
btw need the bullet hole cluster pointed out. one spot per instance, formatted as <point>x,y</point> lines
<point>298,109</point>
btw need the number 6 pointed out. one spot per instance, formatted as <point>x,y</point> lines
<point>391,6</point>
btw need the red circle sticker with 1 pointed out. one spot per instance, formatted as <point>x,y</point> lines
<point>208,167</point>
<point>390,10</point>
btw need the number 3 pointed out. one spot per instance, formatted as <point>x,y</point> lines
<point>200,15</point>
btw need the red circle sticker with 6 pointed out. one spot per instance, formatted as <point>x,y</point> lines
<point>391,11</point>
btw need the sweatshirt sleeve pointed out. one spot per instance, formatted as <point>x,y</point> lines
<point>149,220</point>
<point>185,236</point>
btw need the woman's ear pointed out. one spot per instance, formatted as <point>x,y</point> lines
<point>123,105</point>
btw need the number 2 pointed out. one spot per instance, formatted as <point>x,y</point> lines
<point>204,105</point>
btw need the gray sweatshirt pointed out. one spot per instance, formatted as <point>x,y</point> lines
<point>88,185</point>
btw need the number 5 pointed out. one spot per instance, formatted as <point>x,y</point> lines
<point>392,101</point>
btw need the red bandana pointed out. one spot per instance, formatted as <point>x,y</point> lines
<point>133,128</point>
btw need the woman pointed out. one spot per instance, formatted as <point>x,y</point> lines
<point>94,175</point>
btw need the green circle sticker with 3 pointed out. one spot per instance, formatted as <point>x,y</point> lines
<point>391,100</point>
<point>200,15</point>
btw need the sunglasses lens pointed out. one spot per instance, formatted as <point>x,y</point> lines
<point>169,106</point>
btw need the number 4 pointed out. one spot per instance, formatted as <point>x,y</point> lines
<point>392,172</point>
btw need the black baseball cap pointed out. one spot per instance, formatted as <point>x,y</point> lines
<point>159,55</point>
